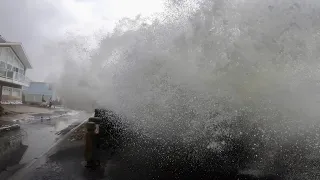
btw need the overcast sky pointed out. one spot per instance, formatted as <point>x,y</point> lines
<point>36,23</point>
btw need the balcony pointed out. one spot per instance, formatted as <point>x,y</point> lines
<point>14,77</point>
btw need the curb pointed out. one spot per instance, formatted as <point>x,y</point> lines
<point>20,173</point>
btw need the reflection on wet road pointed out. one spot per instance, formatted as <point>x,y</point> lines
<point>41,135</point>
<point>38,135</point>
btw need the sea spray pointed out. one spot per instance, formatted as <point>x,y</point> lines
<point>212,73</point>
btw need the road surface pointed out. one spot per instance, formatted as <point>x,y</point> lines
<point>36,137</point>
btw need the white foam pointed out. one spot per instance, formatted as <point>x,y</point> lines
<point>253,57</point>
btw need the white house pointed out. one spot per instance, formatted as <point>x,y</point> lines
<point>13,66</point>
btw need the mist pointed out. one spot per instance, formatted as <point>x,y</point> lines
<point>239,51</point>
<point>201,65</point>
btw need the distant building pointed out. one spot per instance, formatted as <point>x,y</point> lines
<point>34,93</point>
<point>13,66</point>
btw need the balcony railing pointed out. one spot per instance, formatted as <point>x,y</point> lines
<point>14,76</point>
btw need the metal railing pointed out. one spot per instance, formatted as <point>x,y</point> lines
<point>14,76</point>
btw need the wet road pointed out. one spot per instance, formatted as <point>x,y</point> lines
<point>42,134</point>
<point>37,136</point>
<point>147,160</point>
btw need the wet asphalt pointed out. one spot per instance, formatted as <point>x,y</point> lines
<point>36,136</point>
<point>65,160</point>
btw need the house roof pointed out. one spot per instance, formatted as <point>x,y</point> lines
<point>2,40</point>
<point>18,49</point>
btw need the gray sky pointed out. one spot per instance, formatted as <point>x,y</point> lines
<point>39,24</point>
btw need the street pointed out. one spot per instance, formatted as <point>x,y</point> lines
<point>36,137</point>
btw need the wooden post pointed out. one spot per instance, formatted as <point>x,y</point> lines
<point>96,120</point>
<point>88,153</point>
<point>96,140</point>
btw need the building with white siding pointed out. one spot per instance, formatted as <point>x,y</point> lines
<point>13,66</point>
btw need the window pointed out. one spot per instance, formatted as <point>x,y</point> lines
<point>21,71</point>
<point>2,64</point>
<point>9,55</point>
<point>15,69</point>
<point>9,67</point>
<point>16,92</point>
<point>6,90</point>
<point>2,69</point>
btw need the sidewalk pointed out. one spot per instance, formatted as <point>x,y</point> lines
<point>63,161</point>
<point>38,134</point>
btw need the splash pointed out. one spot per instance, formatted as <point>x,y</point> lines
<point>207,71</point>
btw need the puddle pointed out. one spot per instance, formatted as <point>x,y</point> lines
<point>39,133</point>
<point>41,117</point>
